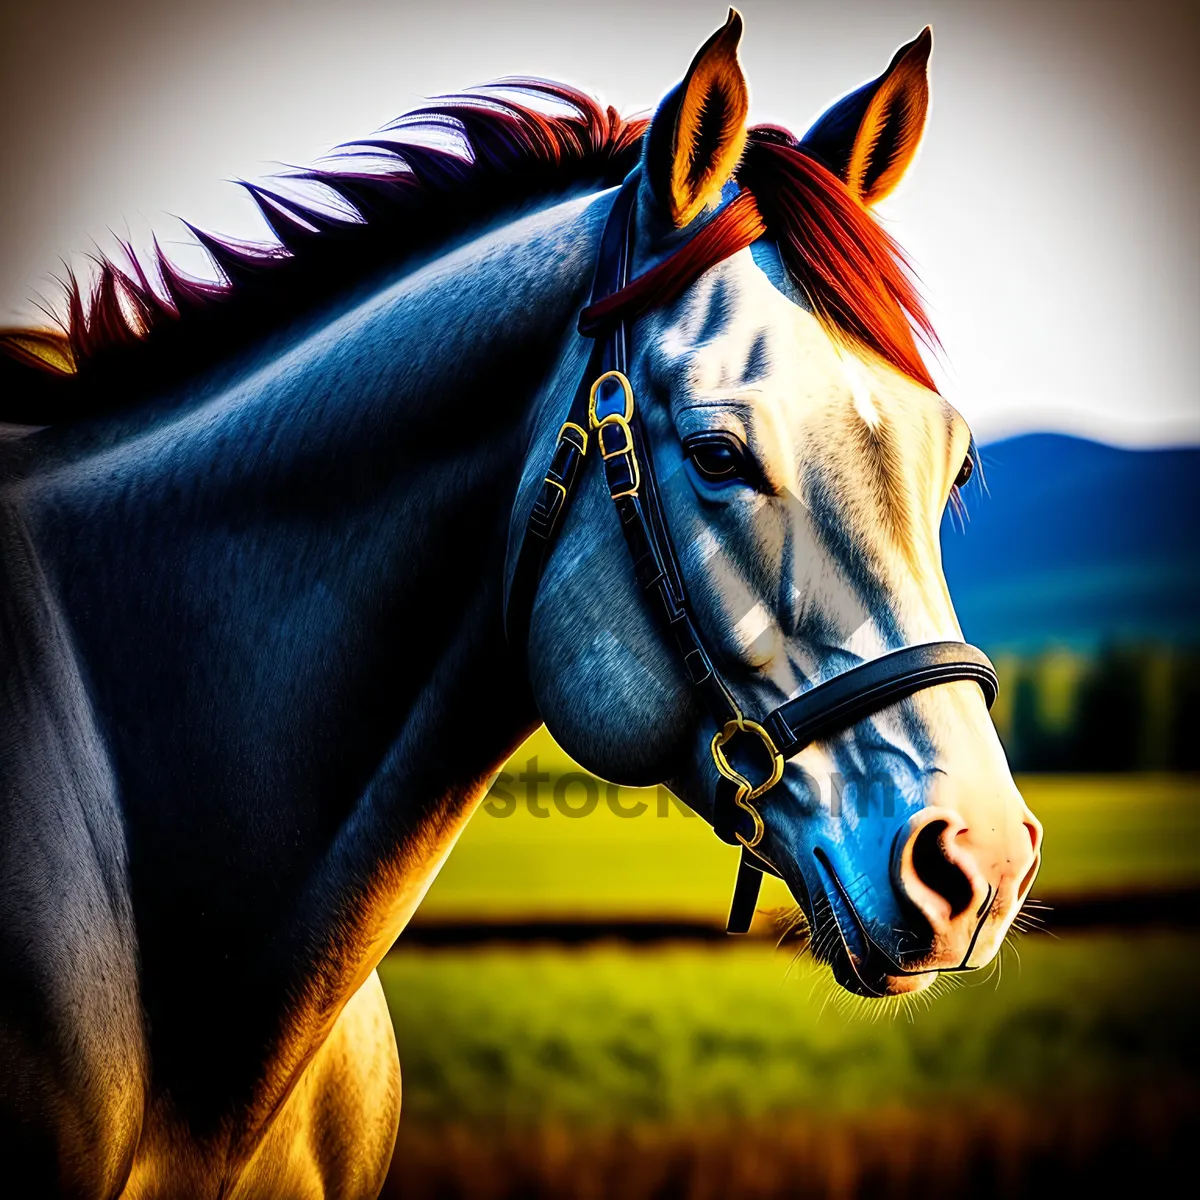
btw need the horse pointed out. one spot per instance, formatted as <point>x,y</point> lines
<point>259,537</point>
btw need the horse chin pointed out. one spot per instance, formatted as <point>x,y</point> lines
<point>840,941</point>
<point>866,976</point>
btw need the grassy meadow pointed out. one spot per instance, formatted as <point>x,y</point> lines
<point>713,1072</point>
<point>736,1068</point>
<point>500,1037</point>
<point>1104,835</point>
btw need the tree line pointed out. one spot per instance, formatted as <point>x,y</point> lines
<point>1120,708</point>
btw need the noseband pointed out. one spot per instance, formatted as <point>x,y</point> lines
<point>604,412</point>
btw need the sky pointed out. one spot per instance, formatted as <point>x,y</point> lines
<point>1050,215</point>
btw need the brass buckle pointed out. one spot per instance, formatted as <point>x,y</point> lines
<point>746,791</point>
<point>626,387</point>
<point>579,429</point>
<point>615,420</point>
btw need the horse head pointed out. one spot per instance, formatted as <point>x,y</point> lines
<point>805,461</point>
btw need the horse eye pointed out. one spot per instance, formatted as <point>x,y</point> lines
<point>715,456</point>
<point>965,472</point>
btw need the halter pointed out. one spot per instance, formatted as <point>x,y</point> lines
<point>604,413</point>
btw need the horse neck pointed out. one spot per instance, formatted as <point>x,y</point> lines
<point>286,595</point>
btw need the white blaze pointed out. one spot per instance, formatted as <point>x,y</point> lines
<point>860,390</point>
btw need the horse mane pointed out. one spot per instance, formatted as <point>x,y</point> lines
<point>438,172</point>
<point>856,277</point>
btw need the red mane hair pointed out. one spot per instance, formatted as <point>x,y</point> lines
<point>853,272</point>
<point>123,335</point>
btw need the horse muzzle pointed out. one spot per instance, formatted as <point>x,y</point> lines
<point>966,878</point>
<point>889,915</point>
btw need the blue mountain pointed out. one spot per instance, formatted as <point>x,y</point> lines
<point>1075,543</point>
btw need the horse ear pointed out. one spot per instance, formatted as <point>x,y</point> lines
<point>870,137</point>
<point>699,131</point>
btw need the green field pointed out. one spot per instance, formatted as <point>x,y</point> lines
<point>609,1034</point>
<point>731,1068</point>
<point>1104,834</point>
<point>728,1070</point>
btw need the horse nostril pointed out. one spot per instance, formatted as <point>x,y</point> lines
<point>1030,876</point>
<point>1035,835</point>
<point>1035,844</point>
<point>937,872</point>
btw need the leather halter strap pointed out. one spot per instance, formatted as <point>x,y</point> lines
<point>852,695</point>
<point>604,413</point>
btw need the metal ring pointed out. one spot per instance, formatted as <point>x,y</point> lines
<point>626,387</point>
<point>725,735</point>
<point>746,791</point>
<point>760,826</point>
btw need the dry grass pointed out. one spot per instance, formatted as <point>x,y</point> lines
<point>1108,1145</point>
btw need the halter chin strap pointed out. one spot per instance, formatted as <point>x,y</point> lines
<point>604,414</point>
